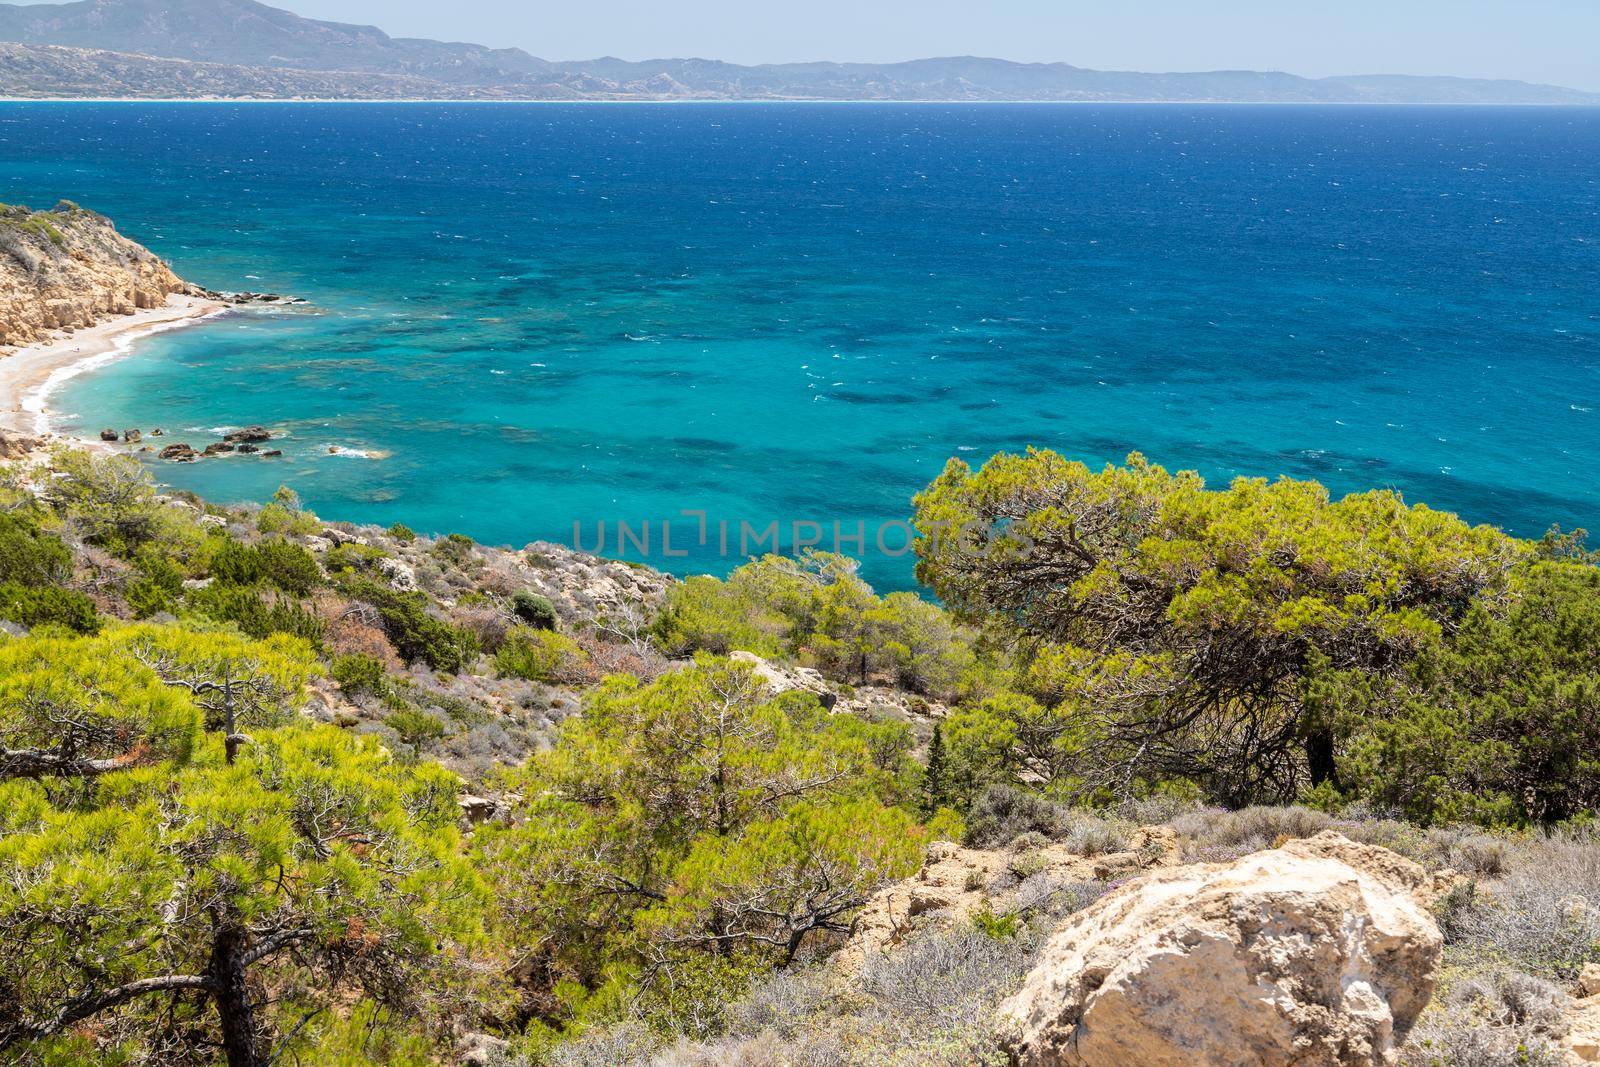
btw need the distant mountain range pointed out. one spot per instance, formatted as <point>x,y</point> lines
<point>241,48</point>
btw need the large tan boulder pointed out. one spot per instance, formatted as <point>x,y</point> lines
<point>1582,1041</point>
<point>1321,952</point>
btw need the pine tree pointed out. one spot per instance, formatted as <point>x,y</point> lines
<point>936,788</point>
<point>314,854</point>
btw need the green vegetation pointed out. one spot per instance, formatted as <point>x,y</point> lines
<point>44,224</point>
<point>171,889</point>
<point>1499,725</point>
<point>819,611</point>
<point>277,563</point>
<point>678,825</point>
<point>417,635</point>
<point>540,656</point>
<point>534,609</point>
<point>233,758</point>
<point>1173,632</point>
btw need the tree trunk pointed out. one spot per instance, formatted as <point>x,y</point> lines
<point>242,1042</point>
<point>1320,756</point>
<point>230,732</point>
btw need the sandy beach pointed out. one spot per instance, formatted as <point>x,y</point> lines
<point>29,375</point>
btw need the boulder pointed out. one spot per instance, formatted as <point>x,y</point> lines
<point>132,437</point>
<point>476,809</point>
<point>178,452</point>
<point>1319,953</point>
<point>16,446</point>
<point>219,447</point>
<point>342,537</point>
<point>108,435</point>
<point>400,574</point>
<point>250,434</point>
<point>1589,980</point>
<point>1582,1041</point>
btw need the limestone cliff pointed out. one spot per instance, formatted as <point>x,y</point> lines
<point>69,268</point>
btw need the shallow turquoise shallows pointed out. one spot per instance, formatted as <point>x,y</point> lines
<point>535,316</point>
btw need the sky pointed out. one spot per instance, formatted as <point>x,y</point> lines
<point>1555,41</point>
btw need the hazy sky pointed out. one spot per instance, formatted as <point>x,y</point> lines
<point>1554,41</point>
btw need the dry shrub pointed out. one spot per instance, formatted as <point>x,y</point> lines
<point>624,1045</point>
<point>486,622</point>
<point>608,657</point>
<point>786,1003</point>
<point>1497,1020</point>
<point>1214,835</point>
<point>1002,814</point>
<point>1543,913</point>
<point>763,1050</point>
<point>499,578</point>
<point>353,629</point>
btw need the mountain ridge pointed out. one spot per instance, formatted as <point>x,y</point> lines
<point>250,49</point>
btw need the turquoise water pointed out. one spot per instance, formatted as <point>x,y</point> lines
<point>548,314</point>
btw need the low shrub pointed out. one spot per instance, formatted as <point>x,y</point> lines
<point>358,673</point>
<point>255,613</point>
<point>533,609</point>
<point>158,585</point>
<point>1543,914</point>
<point>1501,1019</point>
<point>415,634</point>
<point>541,656</point>
<point>455,548</point>
<point>1215,835</point>
<point>287,566</point>
<point>414,726</point>
<point>28,555</point>
<point>28,605</point>
<point>1002,814</point>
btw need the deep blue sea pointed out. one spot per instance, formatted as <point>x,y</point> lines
<point>538,315</point>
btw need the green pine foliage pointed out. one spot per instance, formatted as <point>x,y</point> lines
<point>315,858</point>
<point>1500,725</point>
<point>1179,626</point>
<point>29,555</point>
<point>277,563</point>
<point>676,822</point>
<point>818,610</point>
<point>27,605</point>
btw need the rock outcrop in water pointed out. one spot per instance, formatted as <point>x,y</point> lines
<point>69,268</point>
<point>1321,953</point>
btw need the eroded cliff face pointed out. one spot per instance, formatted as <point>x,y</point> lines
<point>68,268</point>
